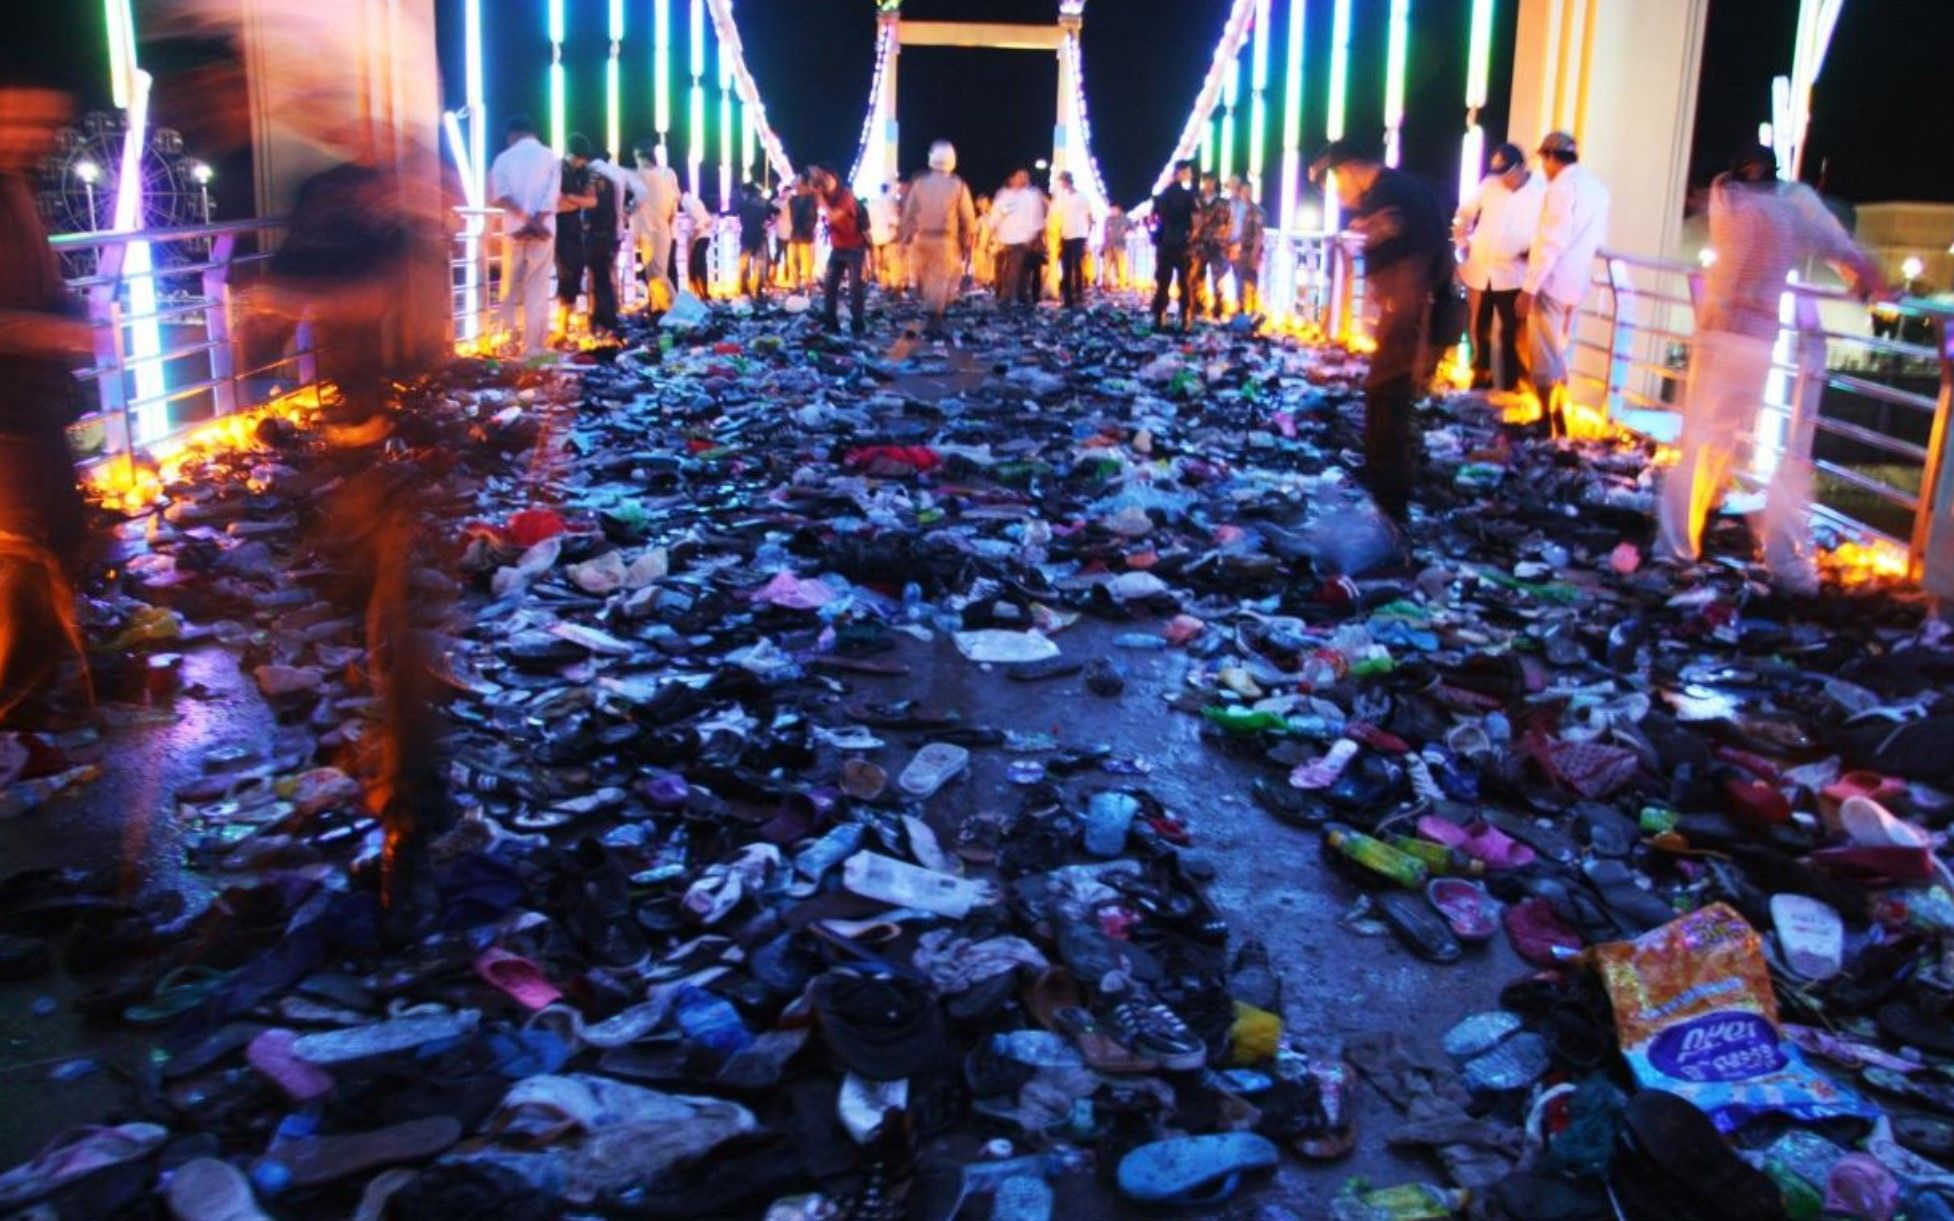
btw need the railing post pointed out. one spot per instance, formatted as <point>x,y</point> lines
<point>105,316</point>
<point>1932,553</point>
<point>1807,386</point>
<point>218,329</point>
<point>1622,305</point>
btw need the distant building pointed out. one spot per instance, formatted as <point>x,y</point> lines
<point>1897,231</point>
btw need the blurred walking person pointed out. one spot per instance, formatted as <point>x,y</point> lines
<point>1213,233</point>
<point>1173,237</point>
<point>1761,228</point>
<point>525,182</point>
<point>847,251</point>
<point>1495,227</point>
<point>1245,251</point>
<point>1020,211</point>
<point>983,253</point>
<point>884,228</point>
<point>698,246</point>
<point>1072,214</point>
<point>653,223</point>
<point>1560,265</point>
<point>1112,248</point>
<point>42,341</point>
<point>938,230</point>
<point>1407,257</point>
<point>755,214</point>
<point>804,213</point>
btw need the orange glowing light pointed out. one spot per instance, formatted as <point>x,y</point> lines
<point>131,483</point>
<point>1870,562</point>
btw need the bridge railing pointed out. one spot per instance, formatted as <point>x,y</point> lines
<point>1860,394</point>
<point>176,342</point>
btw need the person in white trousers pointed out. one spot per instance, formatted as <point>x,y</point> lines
<point>525,182</point>
<point>1760,228</point>
<point>1573,224</point>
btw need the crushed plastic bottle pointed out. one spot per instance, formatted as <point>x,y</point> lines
<point>1406,1202</point>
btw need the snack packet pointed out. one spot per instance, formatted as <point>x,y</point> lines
<point>1696,1017</point>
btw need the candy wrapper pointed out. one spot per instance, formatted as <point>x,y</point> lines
<point>1696,1016</point>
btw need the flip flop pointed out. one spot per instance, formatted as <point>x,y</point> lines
<point>176,994</point>
<point>210,1190</point>
<point>1636,909</point>
<point>1193,1169</point>
<point>1811,935</point>
<point>382,1038</point>
<point>325,1159</point>
<point>1411,917</point>
<point>75,1154</point>
<point>519,977</point>
<point>932,767</point>
<point>1538,935</point>
<point>271,1054</point>
<point>1468,910</point>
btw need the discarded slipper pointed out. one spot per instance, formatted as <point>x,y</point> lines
<point>1193,1169</point>
<point>932,767</point>
<point>74,1155</point>
<point>325,1159</point>
<point>271,1054</point>
<point>1810,934</point>
<point>1058,1003</point>
<point>210,1190</point>
<point>1469,911</point>
<point>519,977</point>
<point>382,1038</point>
<point>1411,917</point>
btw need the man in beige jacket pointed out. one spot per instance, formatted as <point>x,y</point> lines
<point>939,224</point>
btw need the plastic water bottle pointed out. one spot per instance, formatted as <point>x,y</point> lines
<point>1376,855</point>
<point>1409,1202</point>
<point>830,850</point>
<point>912,603</point>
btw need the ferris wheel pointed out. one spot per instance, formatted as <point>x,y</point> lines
<point>82,179</point>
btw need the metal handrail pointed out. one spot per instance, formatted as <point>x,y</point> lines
<point>152,357</point>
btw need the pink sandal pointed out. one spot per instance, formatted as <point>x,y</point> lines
<point>519,977</point>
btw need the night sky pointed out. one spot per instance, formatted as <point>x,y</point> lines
<point>1877,131</point>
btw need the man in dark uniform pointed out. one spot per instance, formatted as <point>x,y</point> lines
<point>1173,230</point>
<point>1407,258</point>
<point>1213,234</point>
<point>570,246</point>
<point>603,223</point>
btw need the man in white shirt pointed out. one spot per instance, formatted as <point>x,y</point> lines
<point>525,181</point>
<point>652,223</point>
<point>1573,224</point>
<point>1019,212</point>
<point>1072,216</point>
<point>1495,227</point>
<point>1761,228</point>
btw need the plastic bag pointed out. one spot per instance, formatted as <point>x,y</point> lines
<point>1696,1016</point>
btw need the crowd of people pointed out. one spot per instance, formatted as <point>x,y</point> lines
<point>1510,272</point>
<point>572,216</point>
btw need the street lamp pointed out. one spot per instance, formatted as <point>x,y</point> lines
<point>201,174</point>
<point>90,173</point>
<point>1912,268</point>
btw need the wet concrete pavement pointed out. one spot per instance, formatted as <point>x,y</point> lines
<point>1269,878</point>
<point>1270,881</point>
